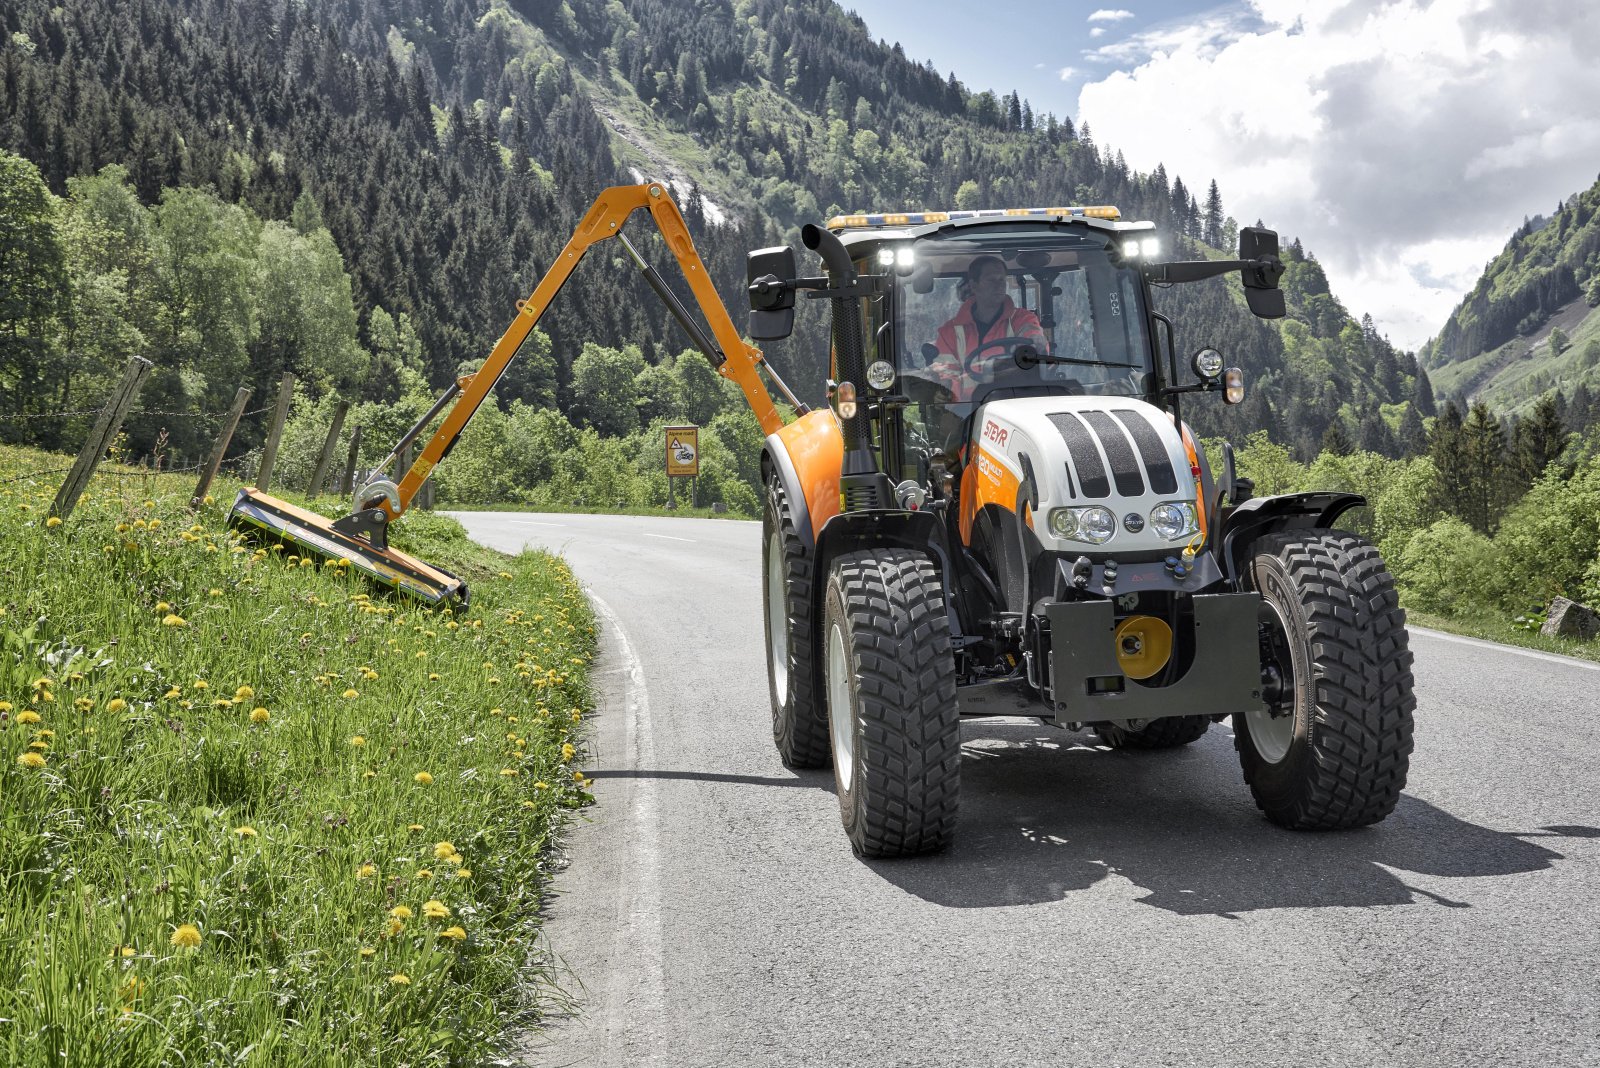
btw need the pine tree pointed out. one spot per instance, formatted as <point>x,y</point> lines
<point>1212,234</point>
<point>1537,442</point>
<point>1424,397</point>
<point>1413,436</point>
<point>1483,449</point>
<point>1336,440</point>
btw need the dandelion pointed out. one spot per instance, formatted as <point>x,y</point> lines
<point>443,849</point>
<point>401,912</point>
<point>454,858</point>
<point>394,928</point>
<point>5,706</point>
<point>122,528</point>
<point>463,873</point>
<point>41,746</point>
<point>435,910</point>
<point>509,772</point>
<point>31,759</point>
<point>222,702</point>
<point>577,777</point>
<point>53,521</point>
<point>115,705</point>
<point>259,715</point>
<point>187,936</point>
<point>172,619</point>
<point>245,832</point>
<point>27,715</point>
<point>413,826</point>
<point>349,694</point>
<point>567,751</point>
<point>155,524</point>
<point>541,785</point>
<point>433,677</point>
<point>399,979</point>
<point>577,716</point>
<point>367,952</point>
<point>358,740</point>
<point>497,711</point>
<point>123,951</point>
<point>174,693</point>
<point>201,684</point>
<point>455,934</point>
<point>244,693</point>
<point>133,988</point>
<point>366,871</point>
<point>46,733</point>
<point>528,804</point>
<point>423,778</point>
<point>214,592</point>
<point>208,499</point>
<point>424,873</point>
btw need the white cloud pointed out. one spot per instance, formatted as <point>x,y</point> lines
<point>1110,15</point>
<point>1098,31</point>
<point>1066,74</point>
<point>1402,140</point>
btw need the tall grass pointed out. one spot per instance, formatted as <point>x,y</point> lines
<point>254,812</point>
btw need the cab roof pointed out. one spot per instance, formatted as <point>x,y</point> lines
<point>899,226</point>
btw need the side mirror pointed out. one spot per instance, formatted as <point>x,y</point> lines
<point>768,272</point>
<point>1261,290</point>
<point>922,277</point>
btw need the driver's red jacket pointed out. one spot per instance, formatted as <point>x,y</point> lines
<point>958,339</point>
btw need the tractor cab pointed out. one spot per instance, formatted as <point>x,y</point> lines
<point>982,306</point>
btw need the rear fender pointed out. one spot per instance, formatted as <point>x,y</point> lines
<point>1268,515</point>
<point>806,457</point>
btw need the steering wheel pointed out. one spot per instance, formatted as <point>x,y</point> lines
<point>1008,345</point>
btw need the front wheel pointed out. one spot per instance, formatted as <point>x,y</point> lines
<point>1333,746</point>
<point>894,724</point>
<point>799,722</point>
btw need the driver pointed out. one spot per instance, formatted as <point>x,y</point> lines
<point>967,349</point>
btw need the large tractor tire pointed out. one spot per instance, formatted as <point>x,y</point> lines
<point>799,719</point>
<point>895,726</point>
<point>1334,745</point>
<point>1166,733</point>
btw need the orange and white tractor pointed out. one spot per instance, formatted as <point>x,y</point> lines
<point>1001,512</point>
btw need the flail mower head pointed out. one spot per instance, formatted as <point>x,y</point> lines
<point>359,538</point>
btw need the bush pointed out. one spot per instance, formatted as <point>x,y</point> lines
<point>1448,567</point>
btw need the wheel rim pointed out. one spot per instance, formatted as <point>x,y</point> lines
<point>841,719</point>
<point>1272,735</point>
<point>777,618</point>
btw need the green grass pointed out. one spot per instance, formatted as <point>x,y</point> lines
<point>404,756</point>
<point>1496,628</point>
<point>679,513</point>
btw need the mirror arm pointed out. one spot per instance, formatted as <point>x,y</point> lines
<point>1197,270</point>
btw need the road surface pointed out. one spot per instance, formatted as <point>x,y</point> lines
<point>1097,908</point>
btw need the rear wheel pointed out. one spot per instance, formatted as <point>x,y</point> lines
<point>1333,746</point>
<point>891,697</point>
<point>799,720</point>
<point>1166,733</point>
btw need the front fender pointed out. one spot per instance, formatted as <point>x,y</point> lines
<point>1285,511</point>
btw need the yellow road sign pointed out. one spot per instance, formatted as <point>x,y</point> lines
<point>683,451</point>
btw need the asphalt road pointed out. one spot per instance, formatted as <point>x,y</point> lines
<point>1097,908</point>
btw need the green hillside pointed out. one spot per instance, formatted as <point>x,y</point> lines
<point>1530,326</point>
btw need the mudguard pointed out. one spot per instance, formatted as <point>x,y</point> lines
<point>1267,515</point>
<point>806,456</point>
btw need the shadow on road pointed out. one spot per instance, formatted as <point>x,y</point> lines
<point>1043,818</point>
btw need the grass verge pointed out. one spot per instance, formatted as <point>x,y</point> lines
<point>252,811</point>
<point>1496,628</point>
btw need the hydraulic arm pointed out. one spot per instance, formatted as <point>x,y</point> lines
<point>361,536</point>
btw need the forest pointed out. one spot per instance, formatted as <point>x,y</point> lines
<point>358,193</point>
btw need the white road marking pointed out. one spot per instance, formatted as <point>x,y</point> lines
<point>1553,658</point>
<point>637,934</point>
<point>669,537</point>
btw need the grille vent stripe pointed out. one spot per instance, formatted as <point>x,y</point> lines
<point>1085,457</point>
<point>1124,464</point>
<point>1157,466</point>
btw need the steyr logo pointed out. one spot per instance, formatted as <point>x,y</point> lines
<point>1134,522</point>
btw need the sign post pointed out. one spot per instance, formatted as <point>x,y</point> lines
<point>683,456</point>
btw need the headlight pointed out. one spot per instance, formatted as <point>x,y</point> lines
<point>1094,524</point>
<point>1173,519</point>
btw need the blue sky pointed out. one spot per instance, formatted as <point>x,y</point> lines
<point>1402,140</point>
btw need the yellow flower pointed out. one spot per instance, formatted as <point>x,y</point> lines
<point>349,694</point>
<point>567,751</point>
<point>528,804</point>
<point>400,912</point>
<point>214,592</point>
<point>443,849</point>
<point>39,745</point>
<point>122,528</point>
<point>222,702</point>
<point>201,684</point>
<point>435,910</point>
<point>576,716</point>
<point>53,521</point>
<point>463,873</point>
<point>433,677</point>
<point>245,832</point>
<point>541,785</point>
<point>187,936</point>
<point>123,951</point>
<point>413,826</point>
<point>394,928</point>
<point>208,499</point>
<point>259,715</point>
<point>399,979</point>
<point>358,740</point>
<point>31,760</point>
<point>46,733</point>
<point>115,705</point>
<point>174,693</point>
<point>367,951</point>
<point>155,524</point>
<point>424,873</point>
<point>244,693</point>
<point>133,988</point>
<point>366,871</point>
<point>509,772</point>
<point>455,934</point>
<point>28,715</point>
<point>577,777</point>
<point>423,778</point>
<point>5,706</point>
<point>454,858</point>
<point>172,619</point>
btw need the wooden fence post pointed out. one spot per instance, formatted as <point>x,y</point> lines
<point>107,425</point>
<point>328,443</point>
<point>220,449</point>
<point>347,484</point>
<point>269,451</point>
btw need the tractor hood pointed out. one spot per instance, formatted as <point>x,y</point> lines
<point>1112,475</point>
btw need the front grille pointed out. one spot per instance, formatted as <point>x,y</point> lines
<point>1117,438</point>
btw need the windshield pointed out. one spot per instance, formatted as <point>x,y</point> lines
<point>972,316</point>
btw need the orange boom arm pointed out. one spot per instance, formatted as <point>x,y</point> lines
<point>604,219</point>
